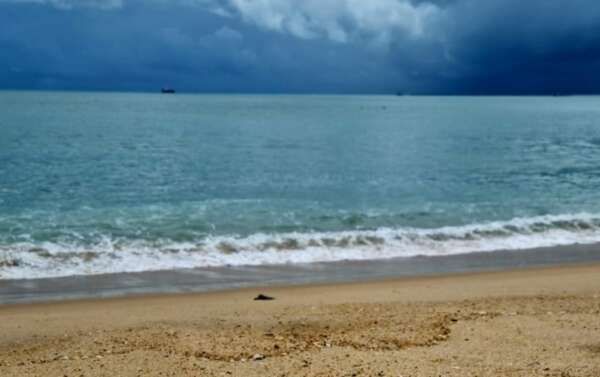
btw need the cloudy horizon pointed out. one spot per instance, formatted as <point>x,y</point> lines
<point>275,46</point>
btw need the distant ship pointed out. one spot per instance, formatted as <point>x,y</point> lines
<point>167,91</point>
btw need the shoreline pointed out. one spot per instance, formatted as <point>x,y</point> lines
<point>427,279</point>
<point>233,278</point>
<point>534,322</point>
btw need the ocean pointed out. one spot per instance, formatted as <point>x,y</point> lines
<point>105,183</point>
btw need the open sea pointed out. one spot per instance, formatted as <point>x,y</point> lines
<point>96,183</point>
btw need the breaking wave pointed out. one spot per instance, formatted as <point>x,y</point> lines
<point>27,260</point>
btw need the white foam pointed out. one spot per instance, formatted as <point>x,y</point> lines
<point>113,256</point>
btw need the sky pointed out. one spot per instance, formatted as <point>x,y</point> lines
<point>303,46</point>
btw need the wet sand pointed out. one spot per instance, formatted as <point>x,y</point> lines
<point>542,322</point>
<point>235,277</point>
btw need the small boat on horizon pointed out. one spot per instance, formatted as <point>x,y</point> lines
<point>167,91</point>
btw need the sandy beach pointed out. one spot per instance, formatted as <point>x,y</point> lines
<point>542,322</point>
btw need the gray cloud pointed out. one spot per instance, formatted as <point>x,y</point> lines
<point>338,20</point>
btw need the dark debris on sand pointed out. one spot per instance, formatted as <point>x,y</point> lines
<point>262,297</point>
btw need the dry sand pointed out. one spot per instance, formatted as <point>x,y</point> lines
<point>543,322</point>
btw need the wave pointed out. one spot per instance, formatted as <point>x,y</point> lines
<point>28,260</point>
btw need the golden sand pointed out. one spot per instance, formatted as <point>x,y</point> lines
<point>543,322</point>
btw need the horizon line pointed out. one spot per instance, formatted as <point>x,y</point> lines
<point>396,94</point>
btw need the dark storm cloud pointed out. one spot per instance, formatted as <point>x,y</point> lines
<point>418,46</point>
<point>514,46</point>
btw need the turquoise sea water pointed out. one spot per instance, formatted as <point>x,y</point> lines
<point>101,182</point>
